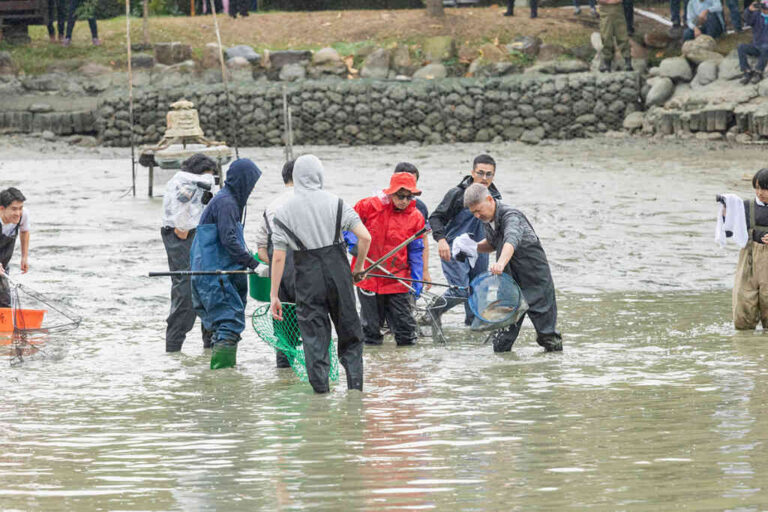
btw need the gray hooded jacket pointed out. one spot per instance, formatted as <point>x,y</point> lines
<point>311,213</point>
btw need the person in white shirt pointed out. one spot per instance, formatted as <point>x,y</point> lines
<point>185,197</point>
<point>15,224</point>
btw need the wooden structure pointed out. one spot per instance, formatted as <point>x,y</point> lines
<point>183,138</point>
<point>17,15</point>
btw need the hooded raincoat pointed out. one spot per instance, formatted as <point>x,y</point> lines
<point>219,245</point>
<point>311,225</point>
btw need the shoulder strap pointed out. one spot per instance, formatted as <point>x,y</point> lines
<point>266,224</point>
<point>339,208</point>
<point>291,234</point>
<point>751,217</point>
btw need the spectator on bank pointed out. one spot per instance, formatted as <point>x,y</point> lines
<point>613,25</point>
<point>58,6</point>
<point>87,11</point>
<point>756,16</point>
<point>238,7</point>
<point>704,17</point>
<point>533,4</point>
<point>629,15</point>
<point>674,8</point>
<point>592,8</point>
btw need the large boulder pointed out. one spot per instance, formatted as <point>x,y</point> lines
<point>658,39</point>
<point>238,63</point>
<point>706,73</point>
<point>660,91</point>
<point>7,67</point>
<point>211,56</point>
<point>438,48</point>
<point>172,53</point>
<point>676,68</point>
<point>326,57</point>
<point>633,121</point>
<point>401,60</point>
<point>142,60</point>
<point>701,49</point>
<point>571,66</point>
<point>491,53</point>
<point>527,45</point>
<point>284,57</point>
<point>550,52</point>
<point>376,65</point>
<point>468,53</point>
<point>292,72</point>
<point>728,69</point>
<point>244,51</point>
<point>91,69</point>
<point>431,71</point>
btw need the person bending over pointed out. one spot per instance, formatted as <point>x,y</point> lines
<point>518,253</point>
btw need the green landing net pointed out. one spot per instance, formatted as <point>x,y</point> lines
<point>285,336</point>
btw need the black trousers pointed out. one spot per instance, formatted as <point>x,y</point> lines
<point>59,17</point>
<point>182,317</point>
<point>534,5</point>
<point>395,308</point>
<point>73,5</point>
<point>5,293</point>
<point>325,295</point>
<point>544,321</point>
<point>629,14</point>
<point>238,7</point>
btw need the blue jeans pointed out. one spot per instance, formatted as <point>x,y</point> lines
<point>712,27</point>
<point>591,4</point>
<point>73,5</point>
<point>459,273</point>
<point>733,6</point>
<point>674,7</point>
<point>761,52</point>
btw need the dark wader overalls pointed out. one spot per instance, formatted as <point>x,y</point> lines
<point>7,244</point>
<point>750,289</point>
<point>287,291</point>
<point>530,269</point>
<point>325,280</point>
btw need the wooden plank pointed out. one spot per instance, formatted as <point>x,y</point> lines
<point>14,5</point>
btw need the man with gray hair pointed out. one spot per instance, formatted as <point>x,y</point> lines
<point>518,253</point>
<point>311,224</point>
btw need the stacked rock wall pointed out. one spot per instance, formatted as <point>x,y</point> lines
<point>519,107</point>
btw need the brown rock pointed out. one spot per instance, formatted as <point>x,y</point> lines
<point>637,50</point>
<point>657,39</point>
<point>491,53</point>
<point>211,56</point>
<point>550,52</point>
<point>92,69</point>
<point>468,54</point>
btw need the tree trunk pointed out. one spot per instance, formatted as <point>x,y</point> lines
<point>145,23</point>
<point>434,8</point>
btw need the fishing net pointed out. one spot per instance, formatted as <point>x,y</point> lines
<point>284,335</point>
<point>496,301</point>
<point>25,326</point>
<point>427,309</point>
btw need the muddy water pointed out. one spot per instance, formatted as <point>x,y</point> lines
<point>656,402</point>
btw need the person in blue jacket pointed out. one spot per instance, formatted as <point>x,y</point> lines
<point>451,219</point>
<point>219,245</point>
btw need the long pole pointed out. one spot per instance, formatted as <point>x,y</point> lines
<point>130,91</point>
<point>234,122</point>
<point>201,273</point>
<point>418,281</point>
<point>394,251</point>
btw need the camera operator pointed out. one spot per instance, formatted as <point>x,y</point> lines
<point>185,196</point>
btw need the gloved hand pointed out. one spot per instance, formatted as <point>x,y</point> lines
<point>416,264</point>
<point>351,240</point>
<point>464,244</point>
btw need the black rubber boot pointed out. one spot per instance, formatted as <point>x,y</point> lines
<point>550,342</point>
<point>207,337</point>
<point>628,64</point>
<point>757,77</point>
<point>746,77</point>
<point>281,360</point>
<point>605,66</point>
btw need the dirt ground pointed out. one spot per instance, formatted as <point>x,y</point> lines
<point>344,30</point>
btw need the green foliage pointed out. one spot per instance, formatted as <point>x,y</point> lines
<point>520,58</point>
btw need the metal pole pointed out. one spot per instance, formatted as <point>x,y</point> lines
<point>130,90</point>
<point>235,123</point>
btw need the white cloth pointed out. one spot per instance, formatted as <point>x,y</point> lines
<point>8,229</point>
<point>463,243</point>
<point>182,201</point>
<point>735,221</point>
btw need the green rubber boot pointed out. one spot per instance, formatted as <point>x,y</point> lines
<point>223,355</point>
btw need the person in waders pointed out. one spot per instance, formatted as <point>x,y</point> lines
<point>750,289</point>
<point>391,218</point>
<point>451,219</point>
<point>311,224</point>
<point>219,245</point>
<point>186,194</point>
<point>265,247</point>
<point>15,224</point>
<point>518,253</point>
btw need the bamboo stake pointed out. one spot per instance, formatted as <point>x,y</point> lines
<point>232,115</point>
<point>130,90</point>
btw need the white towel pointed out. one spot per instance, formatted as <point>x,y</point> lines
<point>735,221</point>
<point>463,243</point>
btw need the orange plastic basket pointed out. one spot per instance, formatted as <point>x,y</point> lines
<point>25,319</point>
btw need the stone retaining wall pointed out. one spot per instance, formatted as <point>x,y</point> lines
<point>519,107</point>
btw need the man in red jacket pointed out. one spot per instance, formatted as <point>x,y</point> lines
<point>391,217</point>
